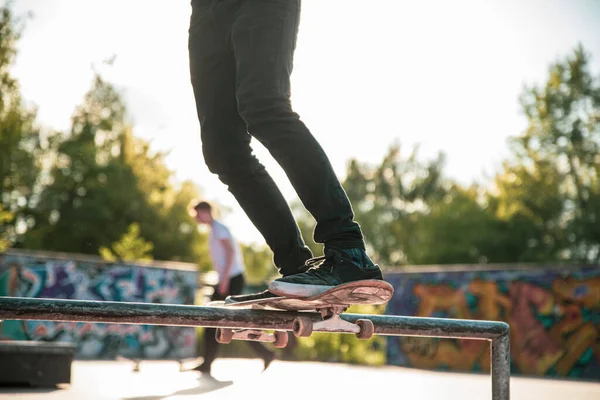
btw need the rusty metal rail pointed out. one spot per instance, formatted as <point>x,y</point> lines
<point>17,308</point>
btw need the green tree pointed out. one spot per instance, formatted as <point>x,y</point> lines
<point>529,204</point>
<point>457,228</point>
<point>553,185</point>
<point>5,218</point>
<point>129,247</point>
<point>21,151</point>
<point>92,195</point>
<point>388,201</point>
<point>389,198</point>
<point>103,179</point>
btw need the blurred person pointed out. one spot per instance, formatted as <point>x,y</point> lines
<point>228,262</point>
<point>241,58</point>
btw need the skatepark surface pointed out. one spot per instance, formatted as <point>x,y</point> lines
<point>243,379</point>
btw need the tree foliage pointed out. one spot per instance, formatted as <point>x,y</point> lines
<point>20,139</point>
<point>554,181</point>
<point>130,247</point>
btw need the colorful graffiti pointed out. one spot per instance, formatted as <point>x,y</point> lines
<point>554,316</point>
<point>34,275</point>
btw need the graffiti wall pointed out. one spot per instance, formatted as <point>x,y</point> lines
<point>26,274</point>
<point>554,315</point>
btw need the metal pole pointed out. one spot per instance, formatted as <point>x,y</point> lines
<point>393,325</point>
<point>500,371</point>
<point>180,315</point>
<point>141,313</point>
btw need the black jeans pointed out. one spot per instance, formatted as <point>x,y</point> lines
<point>211,346</point>
<point>241,57</point>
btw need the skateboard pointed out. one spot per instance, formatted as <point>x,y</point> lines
<point>329,304</point>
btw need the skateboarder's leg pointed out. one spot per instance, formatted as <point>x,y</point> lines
<point>225,140</point>
<point>236,287</point>
<point>210,344</point>
<point>263,39</point>
<point>211,348</point>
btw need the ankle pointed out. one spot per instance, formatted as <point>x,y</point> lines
<point>357,255</point>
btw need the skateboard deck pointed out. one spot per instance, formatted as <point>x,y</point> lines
<point>329,304</point>
<point>358,292</point>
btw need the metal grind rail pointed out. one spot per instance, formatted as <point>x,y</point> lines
<point>18,308</point>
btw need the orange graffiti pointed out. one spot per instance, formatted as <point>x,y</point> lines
<point>583,292</point>
<point>535,349</point>
<point>491,301</point>
<point>441,297</point>
<point>577,344</point>
<point>457,355</point>
<point>432,353</point>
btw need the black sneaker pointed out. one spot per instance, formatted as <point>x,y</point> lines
<point>261,295</point>
<point>247,297</point>
<point>335,268</point>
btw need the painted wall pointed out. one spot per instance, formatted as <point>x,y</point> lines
<point>554,314</point>
<point>47,275</point>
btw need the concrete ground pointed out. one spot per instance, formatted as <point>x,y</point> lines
<point>242,379</point>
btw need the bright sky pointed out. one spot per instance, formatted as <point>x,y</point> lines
<point>445,74</point>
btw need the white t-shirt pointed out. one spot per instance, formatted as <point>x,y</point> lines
<point>217,250</point>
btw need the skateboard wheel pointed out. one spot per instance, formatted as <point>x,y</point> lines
<point>366,329</point>
<point>302,327</point>
<point>224,335</point>
<point>281,339</point>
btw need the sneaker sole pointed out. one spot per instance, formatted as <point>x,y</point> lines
<point>297,289</point>
<point>370,291</point>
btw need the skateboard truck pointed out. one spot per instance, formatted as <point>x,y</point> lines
<point>226,335</point>
<point>331,322</point>
<point>302,327</point>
